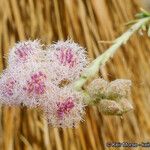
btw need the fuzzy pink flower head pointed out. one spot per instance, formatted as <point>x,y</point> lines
<point>25,51</point>
<point>26,86</point>
<point>65,108</point>
<point>10,88</point>
<point>35,84</point>
<point>68,58</point>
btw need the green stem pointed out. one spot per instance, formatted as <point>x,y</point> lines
<point>94,67</point>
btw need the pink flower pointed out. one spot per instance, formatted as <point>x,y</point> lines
<point>68,58</point>
<point>35,84</point>
<point>64,108</point>
<point>25,51</point>
<point>10,88</point>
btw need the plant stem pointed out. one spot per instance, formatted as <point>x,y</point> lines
<point>94,67</point>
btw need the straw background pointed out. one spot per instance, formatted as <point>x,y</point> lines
<point>86,22</point>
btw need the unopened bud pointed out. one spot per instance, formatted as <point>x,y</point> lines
<point>126,105</point>
<point>118,88</point>
<point>109,107</point>
<point>97,88</point>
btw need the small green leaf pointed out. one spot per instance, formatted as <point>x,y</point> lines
<point>130,22</point>
<point>146,13</point>
<point>139,15</point>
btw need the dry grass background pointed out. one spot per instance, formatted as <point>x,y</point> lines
<point>87,22</point>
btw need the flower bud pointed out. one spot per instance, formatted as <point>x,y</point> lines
<point>109,107</point>
<point>118,88</point>
<point>97,88</point>
<point>125,104</point>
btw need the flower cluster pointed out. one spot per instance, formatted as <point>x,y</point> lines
<point>112,97</point>
<point>43,78</point>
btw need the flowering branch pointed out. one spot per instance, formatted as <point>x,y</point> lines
<point>52,79</point>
